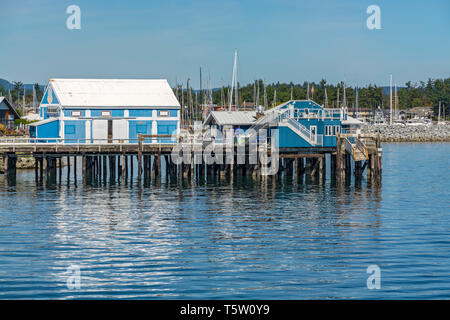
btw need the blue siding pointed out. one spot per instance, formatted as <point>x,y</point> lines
<point>114,113</point>
<point>141,112</point>
<point>48,130</point>
<point>75,130</point>
<point>142,127</point>
<point>289,139</point>
<point>68,112</point>
<point>45,98</point>
<point>43,111</point>
<point>167,127</point>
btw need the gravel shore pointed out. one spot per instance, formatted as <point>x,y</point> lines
<point>399,133</point>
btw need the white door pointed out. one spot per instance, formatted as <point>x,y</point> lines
<point>313,133</point>
<point>120,131</point>
<point>99,131</point>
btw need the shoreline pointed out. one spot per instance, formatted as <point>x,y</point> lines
<point>396,133</point>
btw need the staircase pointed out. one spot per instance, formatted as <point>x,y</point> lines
<point>357,149</point>
<point>282,116</point>
<point>301,130</point>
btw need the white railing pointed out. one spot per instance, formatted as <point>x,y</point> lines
<point>305,133</point>
<point>60,141</point>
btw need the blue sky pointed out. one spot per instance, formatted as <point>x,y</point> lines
<point>276,40</point>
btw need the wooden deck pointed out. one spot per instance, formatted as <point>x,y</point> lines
<point>116,158</point>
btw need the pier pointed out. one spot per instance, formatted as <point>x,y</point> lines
<point>150,157</point>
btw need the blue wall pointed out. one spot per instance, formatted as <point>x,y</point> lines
<point>76,130</point>
<point>141,113</point>
<point>142,127</point>
<point>45,97</point>
<point>166,127</point>
<point>68,112</point>
<point>114,113</point>
<point>46,130</point>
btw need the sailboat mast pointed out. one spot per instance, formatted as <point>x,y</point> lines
<point>233,81</point>
<point>344,99</point>
<point>390,99</point>
<point>275,97</point>
<point>439,112</point>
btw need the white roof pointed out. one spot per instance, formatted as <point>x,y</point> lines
<point>114,93</point>
<point>31,116</point>
<point>351,121</point>
<point>42,122</point>
<point>234,117</point>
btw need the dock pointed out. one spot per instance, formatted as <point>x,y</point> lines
<point>122,160</point>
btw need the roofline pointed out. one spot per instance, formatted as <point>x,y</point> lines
<point>119,107</point>
<point>38,123</point>
<point>11,107</point>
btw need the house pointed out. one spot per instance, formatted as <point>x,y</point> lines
<point>7,113</point>
<point>106,110</point>
<point>234,119</point>
<point>305,123</point>
<point>300,123</point>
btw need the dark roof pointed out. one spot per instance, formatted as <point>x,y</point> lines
<point>9,106</point>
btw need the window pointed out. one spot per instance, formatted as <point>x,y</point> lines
<point>105,114</point>
<point>332,130</point>
<point>164,113</point>
<point>76,113</point>
<point>52,111</point>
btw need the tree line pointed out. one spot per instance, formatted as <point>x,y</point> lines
<point>370,97</point>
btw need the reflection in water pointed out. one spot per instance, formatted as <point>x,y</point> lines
<point>214,238</point>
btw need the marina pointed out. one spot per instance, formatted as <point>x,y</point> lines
<point>118,127</point>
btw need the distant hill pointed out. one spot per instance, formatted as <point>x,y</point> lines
<point>8,85</point>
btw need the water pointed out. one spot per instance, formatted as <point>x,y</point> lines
<point>216,240</point>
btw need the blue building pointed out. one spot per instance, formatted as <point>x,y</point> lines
<point>301,123</point>
<point>304,123</point>
<point>106,110</point>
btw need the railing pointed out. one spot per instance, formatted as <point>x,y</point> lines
<point>313,139</point>
<point>158,139</point>
<point>361,147</point>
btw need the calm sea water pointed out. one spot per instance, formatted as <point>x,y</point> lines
<point>240,240</point>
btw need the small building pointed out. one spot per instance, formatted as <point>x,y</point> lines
<point>107,110</point>
<point>7,113</point>
<point>305,123</point>
<point>300,123</point>
<point>238,120</point>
